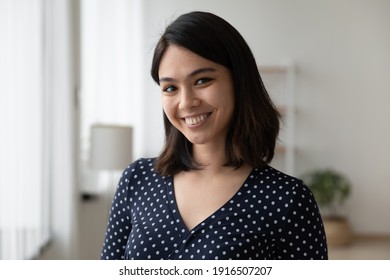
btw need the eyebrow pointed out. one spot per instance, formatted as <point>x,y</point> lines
<point>192,74</point>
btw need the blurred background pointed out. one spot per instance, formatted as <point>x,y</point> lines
<point>72,69</point>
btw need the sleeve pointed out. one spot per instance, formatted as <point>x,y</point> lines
<point>119,221</point>
<point>303,235</point>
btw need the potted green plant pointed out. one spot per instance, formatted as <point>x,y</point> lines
<point>330,189</point>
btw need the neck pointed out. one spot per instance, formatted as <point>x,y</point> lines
<point>212,161</point>
<point>211,158</point>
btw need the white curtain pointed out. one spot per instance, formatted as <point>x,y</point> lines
<point>111,76</point>
<point>24,176</point>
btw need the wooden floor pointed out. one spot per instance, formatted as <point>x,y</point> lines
<point>362,249</point>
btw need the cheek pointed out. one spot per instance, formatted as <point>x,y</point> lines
<point>230,97</point>
<point>166,106</point>
<point>169,110</point>
<point>225,99</point>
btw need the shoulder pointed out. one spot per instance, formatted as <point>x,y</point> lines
<point>285,186</point>
<point>272,176</point>
<point>140,169</point>
<point>144,164</point>
<point>139,177</point>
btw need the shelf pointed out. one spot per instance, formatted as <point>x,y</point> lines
<point>279,80</point>
<point>282,109</point>
<point>280,149</point>
<point>273,69</point>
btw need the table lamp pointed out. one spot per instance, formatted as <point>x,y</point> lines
<point>111,148</point>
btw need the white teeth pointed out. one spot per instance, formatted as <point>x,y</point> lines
<point>196,120</point>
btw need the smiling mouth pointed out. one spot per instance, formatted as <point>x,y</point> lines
<point>196,120</point>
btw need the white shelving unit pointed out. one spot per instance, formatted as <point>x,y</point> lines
<point>279,80</point>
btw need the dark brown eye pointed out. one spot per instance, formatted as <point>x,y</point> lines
<point>169,89</point>
<point>202,81</point>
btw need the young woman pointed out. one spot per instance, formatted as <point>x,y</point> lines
<point>211,194</point>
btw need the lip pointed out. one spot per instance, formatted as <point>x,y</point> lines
<point>196,120</point>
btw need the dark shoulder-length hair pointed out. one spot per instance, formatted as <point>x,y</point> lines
<point>254,128</point>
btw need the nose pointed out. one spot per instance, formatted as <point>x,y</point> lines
<point>188,99</point>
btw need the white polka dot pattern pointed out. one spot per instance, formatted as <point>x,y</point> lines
<point>272,216</point>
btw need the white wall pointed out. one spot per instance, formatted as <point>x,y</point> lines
<point>341,49</point>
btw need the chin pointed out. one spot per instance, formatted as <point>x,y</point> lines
<point>197,140</point>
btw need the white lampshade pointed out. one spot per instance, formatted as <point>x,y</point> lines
<point>111,147</point>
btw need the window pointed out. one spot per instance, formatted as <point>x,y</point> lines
<point>24,172</point>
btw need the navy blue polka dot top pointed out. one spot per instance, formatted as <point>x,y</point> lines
<point>272,216</point>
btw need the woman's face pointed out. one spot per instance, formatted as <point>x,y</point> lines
<point>197,95</point>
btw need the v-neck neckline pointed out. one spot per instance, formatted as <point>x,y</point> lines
<point>173,206</point>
